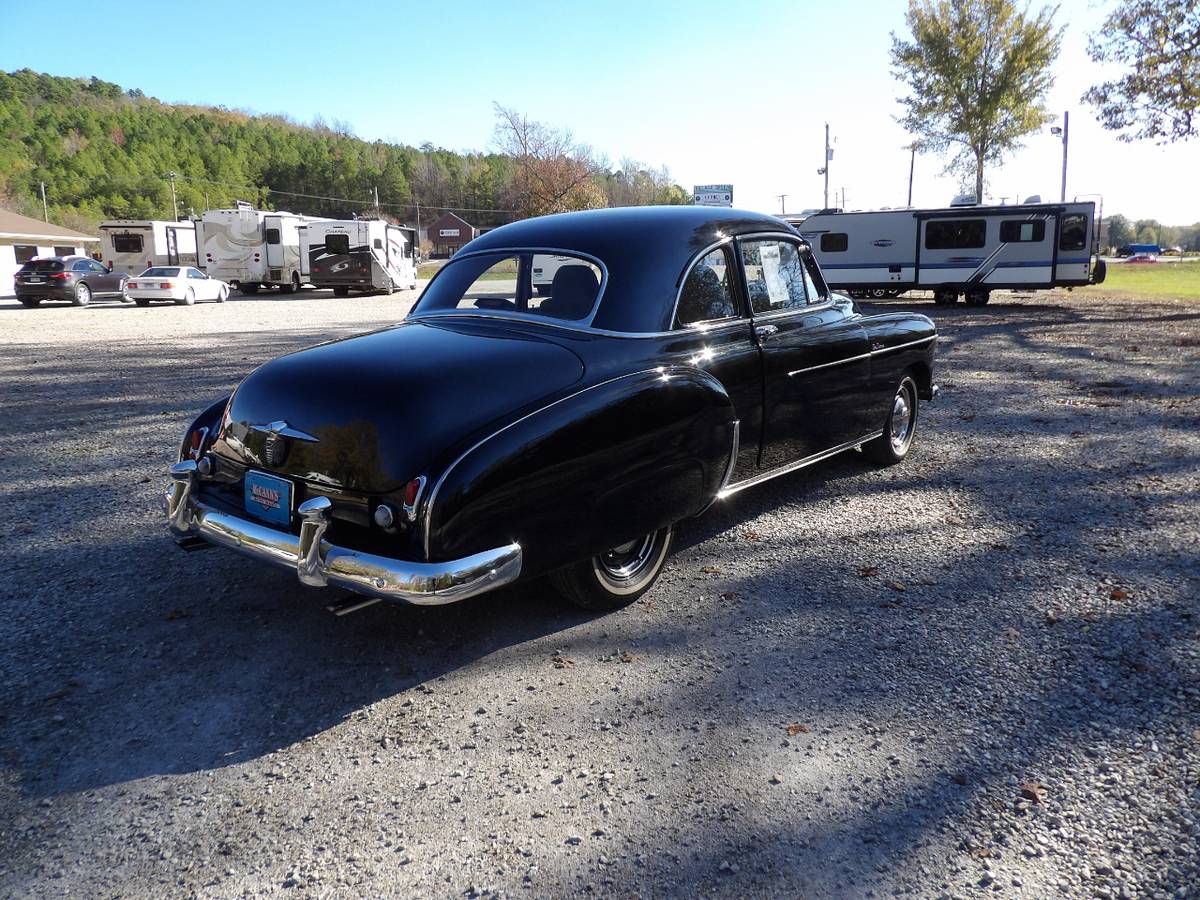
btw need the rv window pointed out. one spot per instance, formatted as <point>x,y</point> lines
<point>272,235</point>
<point>706,294</point>
<point>955,234</point>
<point>337,243</point>
<point>127,243</point>
<point>1072,234</point>
<point>378,244</point>
<point>835,243</point>
<point>1019,231</point>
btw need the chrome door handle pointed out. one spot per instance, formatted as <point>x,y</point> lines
<point>762,332</point>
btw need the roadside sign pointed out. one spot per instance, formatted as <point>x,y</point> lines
<point>713,194</point>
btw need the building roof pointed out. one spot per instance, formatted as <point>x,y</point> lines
<point>451,217</point>
<point>13,225</point>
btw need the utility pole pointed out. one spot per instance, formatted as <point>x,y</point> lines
<point>171,176</point>
<point>782,204</point>
<point>912,165</point>
<point>45,208</point>
<point>377,213</point>
<point>418,205</point>
<point>825,170</point>
<point>1066,137</point>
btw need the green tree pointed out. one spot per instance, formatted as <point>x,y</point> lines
<point>978,72</point>
<point>1158,96</point>
<point>1118,231</point>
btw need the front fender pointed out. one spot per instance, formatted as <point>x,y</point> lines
<point>592,470</point>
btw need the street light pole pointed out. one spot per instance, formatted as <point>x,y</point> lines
<point>171,176</point>
<point>826,169</point>
<point>912,165</point>
<point>782,204</point>
<point>1066,137</point>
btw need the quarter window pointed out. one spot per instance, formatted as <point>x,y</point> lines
<point>835,243</point>
<point>1021,231</point>
<point>955,234</point>
<point>775,275</point>
<point>1072,234</point>
<point>706,293</point>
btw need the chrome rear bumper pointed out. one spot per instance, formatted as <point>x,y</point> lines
<point>317,562</point>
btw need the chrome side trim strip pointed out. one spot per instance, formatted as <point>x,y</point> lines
<point>836,362</point>
<point>924,340</point>
<point>799,464</point>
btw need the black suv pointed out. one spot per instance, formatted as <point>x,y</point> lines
<point>74,278</point>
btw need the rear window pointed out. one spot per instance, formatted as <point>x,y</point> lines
<point>337,243</point>
<point>500,283</point>
<point>127,243</point>
<point>43,266</point>
<point>161,272</point>
<point>955,234</point>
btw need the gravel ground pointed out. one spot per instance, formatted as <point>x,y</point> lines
<point>974,674</point>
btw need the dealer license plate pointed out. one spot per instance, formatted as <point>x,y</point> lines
<point>269,498</point>
<point>33,279</point>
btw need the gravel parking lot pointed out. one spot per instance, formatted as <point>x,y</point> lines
<point>974,674</point>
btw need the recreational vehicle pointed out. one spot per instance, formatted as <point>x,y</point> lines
<point>134,245</point>
<point>360,255</point>
<point>961,250</point>
<point>251,248</point>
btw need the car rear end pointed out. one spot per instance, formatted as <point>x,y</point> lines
<point>45,279</point>
<point>158,283</point>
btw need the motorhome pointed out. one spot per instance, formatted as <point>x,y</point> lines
<point>134,245</point>
<point>253,248</point>
<point>360,255</point>
<point>957,250</point>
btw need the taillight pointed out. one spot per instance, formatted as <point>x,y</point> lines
<point>412,493</point>
<point>60,276</point>
<point>197,442</point>
<point>166,285</point>
<point>131,284</point>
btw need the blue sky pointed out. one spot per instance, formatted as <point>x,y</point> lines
<point>718,92</point>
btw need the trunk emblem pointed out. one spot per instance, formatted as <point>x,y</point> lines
<point>275,447</point>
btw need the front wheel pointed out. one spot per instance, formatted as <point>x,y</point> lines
<point>125,298</point>
<point>251,288</point>
<point>618,576</point>
<point>222,294</point>
<point>900,428</point>
<point>945,297</point>
<point>189,298</point>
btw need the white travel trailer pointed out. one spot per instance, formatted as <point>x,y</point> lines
<point>134,245</point>
<point>967,250</point>
<point>360,255</point>
<point>252,248</point>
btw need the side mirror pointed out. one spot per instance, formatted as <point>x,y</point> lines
<point>108,269</point>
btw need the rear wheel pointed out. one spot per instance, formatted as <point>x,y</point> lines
<point>125,298</point>
<point>945,297</point>
<point>189,298</point>
<point>618,576</point>
<point>222,294</point>
<point>292,286</point>
<point>83,295</point>
<point>900,428</point>
<point>977,298</point>
<point>31,302</point>
<point>251,288</point>
<point>879,293</point>
<point>543,290</point>
<point>141,301</point>
<point>341,292</point>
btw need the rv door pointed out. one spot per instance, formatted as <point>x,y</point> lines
<point>273,237</point>
<point>172,247</point>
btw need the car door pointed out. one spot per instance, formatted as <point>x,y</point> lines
<point>102,280</point>
<point>200,284</point>
<point>815,358</point>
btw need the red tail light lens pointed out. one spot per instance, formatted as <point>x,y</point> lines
<point>166,284</point>
<point>131,284</point>
<point>60,276</point>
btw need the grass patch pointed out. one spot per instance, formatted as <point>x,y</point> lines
<point>1173,280</point>
<point>505,270</point>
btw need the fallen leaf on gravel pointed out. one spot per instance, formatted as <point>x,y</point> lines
<point>1119,594</point>
<point>1051,617</point>
<point>999,546</point>
<point>710,570</point>
<point>729,596</point>
<point>177,614</point>
<point>751,535</point>
<point>627,657</point>
<point>959,778</point>
<point>897,585</point>
<point>563,662</point>
<point>797,728</point>
<point>1011,633</point>
<point>868,571</point>
<point>1032,790</point>
<point>970,417</point>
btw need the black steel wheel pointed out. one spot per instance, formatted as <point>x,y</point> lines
<point>618,576</point>
<point>977,298</point>
<point>945,297</point>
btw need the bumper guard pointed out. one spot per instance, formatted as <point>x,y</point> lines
<point>317,562</point>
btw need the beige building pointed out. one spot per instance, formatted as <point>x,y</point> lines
<point>23,238</point>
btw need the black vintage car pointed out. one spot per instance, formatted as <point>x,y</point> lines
<point>681,354</point>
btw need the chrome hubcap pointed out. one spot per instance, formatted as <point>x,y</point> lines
<point>901,420</point>
<point>627,560</point>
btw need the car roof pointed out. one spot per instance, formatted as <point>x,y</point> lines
<point>644,248</point>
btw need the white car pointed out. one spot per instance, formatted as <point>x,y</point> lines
<point>181,284</point>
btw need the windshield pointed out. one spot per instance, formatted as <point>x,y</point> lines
<point>532,284</point>
<point>161,272</point>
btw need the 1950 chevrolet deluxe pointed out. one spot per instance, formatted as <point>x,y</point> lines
<point>680,354</point>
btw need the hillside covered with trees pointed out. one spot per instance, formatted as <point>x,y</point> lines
<point>103,152</point>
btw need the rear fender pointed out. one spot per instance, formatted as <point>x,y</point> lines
<point>209,419</point>
<point>595,469</point>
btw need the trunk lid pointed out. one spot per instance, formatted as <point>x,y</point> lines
<point>382,407</point>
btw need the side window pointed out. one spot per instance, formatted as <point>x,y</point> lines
<point>81,265</point>
<point>955,234</point>
<point>272,235</point>
<point>835,243</point>
<point>1021,231</point>
<point>195,273</point>
<point>378,243</point>
<point>814,281</point>
<point>1072,234</point>
<point>775,275</point>
<point>707,293</point>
